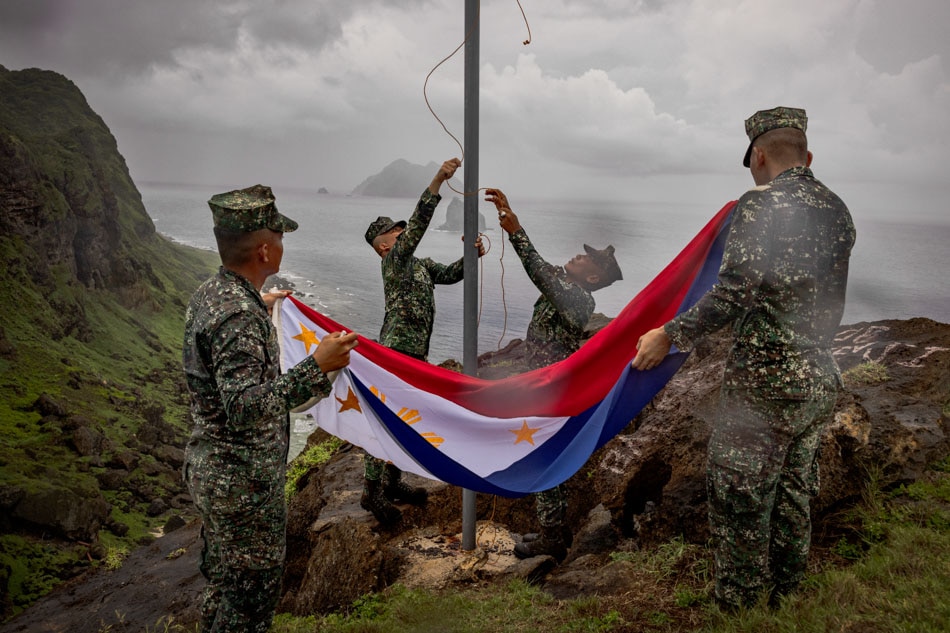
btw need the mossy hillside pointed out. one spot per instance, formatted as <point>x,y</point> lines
<point>94,303</point>
<point>126,369</point>
<point>129,362</point>
<point>72,147</point>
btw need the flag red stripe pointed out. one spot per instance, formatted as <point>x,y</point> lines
<point>575,384</point>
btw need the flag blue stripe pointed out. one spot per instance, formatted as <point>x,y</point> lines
<point>554,462</point>
<point>569,449</point>
<point>709,272</point>
<point>588,431</point>
<point>428,456</point>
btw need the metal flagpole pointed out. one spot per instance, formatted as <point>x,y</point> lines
<point>470,210</point>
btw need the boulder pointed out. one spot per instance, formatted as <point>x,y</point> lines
<point>66,513</point>
<point>89,442</point>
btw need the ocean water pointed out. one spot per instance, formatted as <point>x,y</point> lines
<point>898,270</point>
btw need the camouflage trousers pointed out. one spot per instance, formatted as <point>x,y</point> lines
<point>373,467</point>
<point>244,533</point>
<point>762,471</point>
<point>551,506</point>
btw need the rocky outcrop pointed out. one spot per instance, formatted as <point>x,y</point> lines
<point>455,217</point>
<point>90,396</point>
<point>651,477</point>
<point>76,510</point>
<point>340,552</point>
<point>65,189</point>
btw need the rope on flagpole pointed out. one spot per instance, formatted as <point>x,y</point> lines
<point>425,95</point>
<point>501,258</point>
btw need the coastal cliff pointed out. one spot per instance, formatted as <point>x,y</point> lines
<point>91,405</point>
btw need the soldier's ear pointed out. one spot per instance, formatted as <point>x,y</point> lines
<point>593,279</point>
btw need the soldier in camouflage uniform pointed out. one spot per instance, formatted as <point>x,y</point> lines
<point>235,461</point>
<point>557,326</point>
<point>408,285</point>
<point>782,289</point>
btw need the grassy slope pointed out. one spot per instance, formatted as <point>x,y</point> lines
<point>131,362</point>
<point>110,356</point>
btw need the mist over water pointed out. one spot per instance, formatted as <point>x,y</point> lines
<point>898,270</point>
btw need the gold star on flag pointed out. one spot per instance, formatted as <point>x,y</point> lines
<point>308,336</point>
<point>524,434</point>
<point>351,402</point>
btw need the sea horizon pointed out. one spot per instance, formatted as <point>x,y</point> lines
<point>897,268</point>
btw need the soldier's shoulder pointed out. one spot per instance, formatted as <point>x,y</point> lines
<point>756,192</point>
<point>756,198</point>
<point>216,300</point>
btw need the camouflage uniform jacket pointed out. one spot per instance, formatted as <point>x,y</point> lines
<point>782,287</point>
<point>239,399</point>
<point>409,284</point>
<point>561,312</point>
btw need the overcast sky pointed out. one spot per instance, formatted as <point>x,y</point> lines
<point>612,99</point>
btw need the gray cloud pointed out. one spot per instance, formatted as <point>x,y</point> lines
<point>608,93</point>
<point>895,34</point>
<point>129,37</point>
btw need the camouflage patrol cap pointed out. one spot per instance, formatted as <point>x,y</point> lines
<point>381,225</point>
<point>766,120</point>
<point>249,210</point>
<point>606,261</point>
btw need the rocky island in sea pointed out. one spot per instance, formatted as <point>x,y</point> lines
<point>400,179</point>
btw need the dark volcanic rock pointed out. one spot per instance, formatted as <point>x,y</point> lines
<point>89,442</point>
<point>63,512</point>
<point>455,217</point>
<point>156,585</point>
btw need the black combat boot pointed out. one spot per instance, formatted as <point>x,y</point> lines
<point>553,541</point>
<point>376,502</point>
<point>396,489</point>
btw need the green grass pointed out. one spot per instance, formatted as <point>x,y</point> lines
<point>162,625</point>
<point>869,373</point>
<point>114,557</point>
<point>309,458</point>
<point>35,566</point>
<point>514,607</point>
<point>117,372</point>
<point>901,585</point>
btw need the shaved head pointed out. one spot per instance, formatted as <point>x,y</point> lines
<point>784,145</point>
<point>236,248</point>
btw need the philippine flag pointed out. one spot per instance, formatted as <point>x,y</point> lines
<point>517,435</point>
